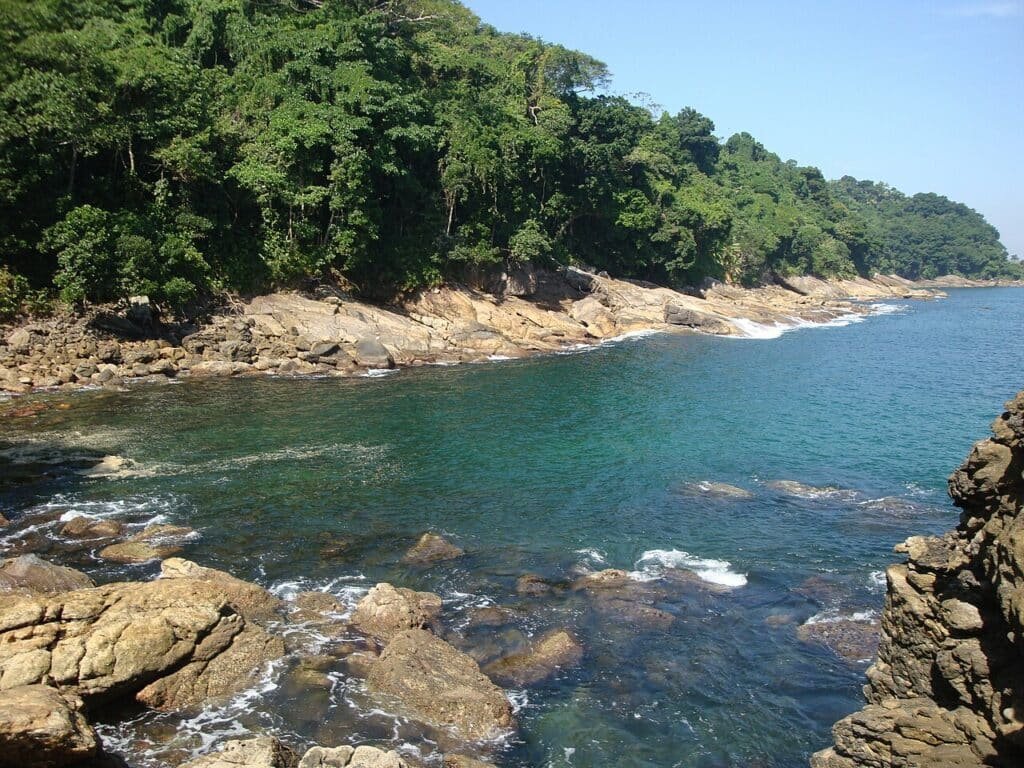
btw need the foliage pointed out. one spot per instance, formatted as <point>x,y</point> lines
<point>180,147</point>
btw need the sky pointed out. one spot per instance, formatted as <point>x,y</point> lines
<point>926,96</point>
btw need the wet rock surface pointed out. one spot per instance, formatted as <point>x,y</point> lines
<point>41,727</point>
<point>946,689</point>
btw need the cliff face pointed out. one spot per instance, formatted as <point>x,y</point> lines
<point>948,686</point>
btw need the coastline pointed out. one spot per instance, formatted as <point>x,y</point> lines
<point>526,313</point>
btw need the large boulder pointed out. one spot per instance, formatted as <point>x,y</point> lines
<point>385,611</point>
<point>435,683</point>
<point>259,752</point>
<point>35,574</point>
<point>432,548</point>
<point>117,639</point>
<point>41,727</point>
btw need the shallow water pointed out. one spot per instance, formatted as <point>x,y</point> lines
<point>558,466</point>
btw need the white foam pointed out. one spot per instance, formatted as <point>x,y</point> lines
<point>519,699</point>
<point>754,330</point>
<point>376,373</point>
<point>888,309</point>
<point>595,556</point>
<point>833,616</point>
<point>499,358</point>
<point>877,578</point>
<point>653,562</point>
<point>640,334</point>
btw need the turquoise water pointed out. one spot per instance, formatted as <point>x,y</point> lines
<point>557,466</point>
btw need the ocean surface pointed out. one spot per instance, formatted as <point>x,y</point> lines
<point>557,466</point>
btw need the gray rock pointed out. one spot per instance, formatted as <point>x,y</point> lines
<point>370,353</point>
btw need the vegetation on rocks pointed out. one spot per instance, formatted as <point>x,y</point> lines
<point>180,147</point>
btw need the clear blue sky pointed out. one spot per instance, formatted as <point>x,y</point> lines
<point>927,96</point>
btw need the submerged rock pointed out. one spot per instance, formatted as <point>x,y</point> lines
<point>41,727</point>
<point>716,490</point>
<point>532,585</point>
<point>853,639</point>
<point>440,686</point>
<point>385,611</point>
<point>432,548</point>
<point>804,491</point>
<point>36,575</point>
<point>556,650</point>
<point>260,752</point>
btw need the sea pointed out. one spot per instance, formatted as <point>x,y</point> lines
<point>657,454</point>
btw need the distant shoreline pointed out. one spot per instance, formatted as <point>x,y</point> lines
<point>531,312</point>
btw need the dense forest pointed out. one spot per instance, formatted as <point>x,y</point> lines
<point>180,148</point>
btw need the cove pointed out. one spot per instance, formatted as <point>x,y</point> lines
<point>557,466</point>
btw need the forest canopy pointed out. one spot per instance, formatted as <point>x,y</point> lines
<point>178,148</point>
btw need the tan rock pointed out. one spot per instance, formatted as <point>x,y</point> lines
<point>90,528</point>
<point>41,727</point>
<point>35,574</point>
<point>435,683</point>
<point>554,651</point>
<point>609,578</point>
<point>136,552</point>
<point>260,752</point>
<point>250,600</point>
<point>385,611</point>
<point>348,757</point>
<point>464,761</point>
<point>432,548</point>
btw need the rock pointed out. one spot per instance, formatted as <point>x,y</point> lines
<point>136,552</point>
<point>556,650</point>
<point>4,521</point>
<point>250,600</point>
<point>532,585</point>
<point>40,727</point>
<point>117,639</point>
<point>386,611</point>
<point>260,752</point>
<point>945,689</point>
<point>370,353</point>
<point>90,528</point>
<point>347,757</point>
<point>854,640</point>
<point>432,548</point>
<point>609,578</point>
<point>464,761</point>
<point>440,686</point>
<point>19,340</point>
<point>804,491</point>
<point>35,574</point>
<point>716,490</point>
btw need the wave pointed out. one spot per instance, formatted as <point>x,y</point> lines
<point>751,329</point>
<point>593,556</point>
<point>888,309</point>
<point>376,373</point>
<point>653,563</point>
<point>834,616</point>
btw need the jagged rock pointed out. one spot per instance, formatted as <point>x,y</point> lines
<point>440,686</point>
<point>116,639</point>
<point>946,687</point>
<point>432,548</point>
<point>90,528</point>
<point>35,574</point>
<point>385,611</point>
<point>41,727</point>
<point>556,650</point>
<point>260,752</point>
<point>349,757</point>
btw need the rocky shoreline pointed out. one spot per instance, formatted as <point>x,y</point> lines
<point>519,314</point>
<point>947,688</point>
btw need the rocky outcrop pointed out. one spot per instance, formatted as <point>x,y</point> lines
<point>41,727</point>
<point>351,757</point>
<point>947,688</point>
<point>440,686</point>
<point>386,611</point>
<point>172,641</point>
